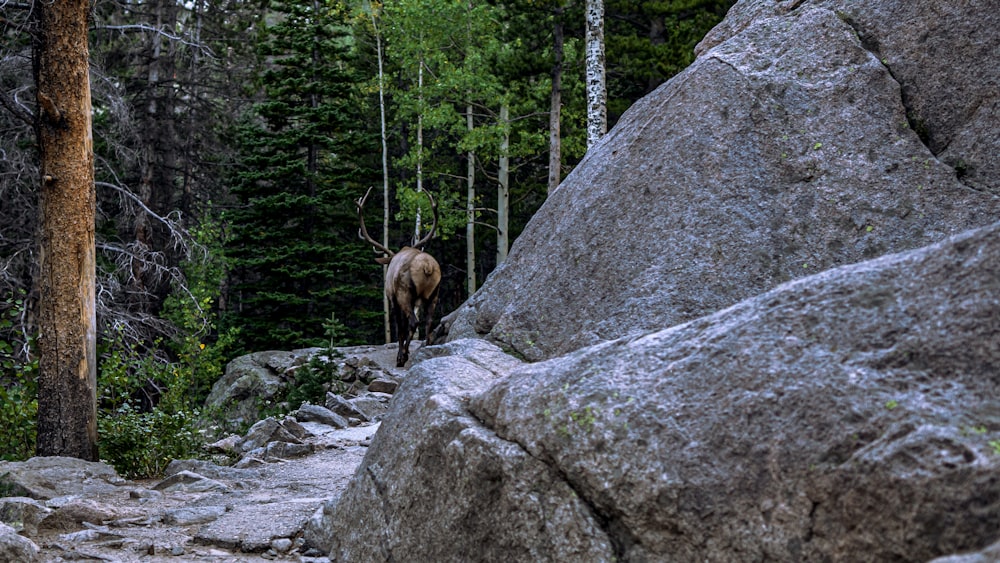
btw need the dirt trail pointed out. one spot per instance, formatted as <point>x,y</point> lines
<point>258,514</point>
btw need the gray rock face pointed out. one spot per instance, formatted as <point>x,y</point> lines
<point>262,379</point>
<point>44,478</point>
<point>252,380</point>
<point>806,135</point>
<point>939,53</point>
<point>16,548</point>
<point>23,514</point>
<point>847,416</point>
<point>405,502</point>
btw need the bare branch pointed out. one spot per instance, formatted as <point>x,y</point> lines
<point>15,6</point>
<point>176,231</point>
<point>16,108</point>
<point>145,27</point>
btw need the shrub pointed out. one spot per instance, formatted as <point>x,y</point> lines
<point>18,387</point>
<point>320,373</point>
<point>140,444</point>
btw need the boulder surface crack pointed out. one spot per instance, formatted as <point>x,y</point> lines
<point>871,44</point>
<point>608,520</point>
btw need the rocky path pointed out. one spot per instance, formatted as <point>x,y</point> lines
<point>64,509</point>
<point>199,512</point>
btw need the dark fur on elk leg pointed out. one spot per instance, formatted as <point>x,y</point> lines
<point>403,335</point>
<point>429,316</point>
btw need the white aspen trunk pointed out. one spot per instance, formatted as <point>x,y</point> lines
<point>385,173</point>
<point>555,107</point>
<point>597,114</point>
<point>503,187</point>
<point>420,144</point>
<point>470,212</point>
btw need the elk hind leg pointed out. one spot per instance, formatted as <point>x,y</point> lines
<point>403,310</point>
<point>429,315</point>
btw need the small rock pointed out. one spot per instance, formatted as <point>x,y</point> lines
<point>208,469</point>
<point>225,445</point>
<point>383,386</point>
<point>14,547</point>
<point>250,460</point>
<point>281,545</point>
<point>343,407</point>
<point>43,478</point>
<point>193,515</point>
<point>81,536</point>
<point>277,451</point>
<point>71,515</point>
<point>144,495</point>
<point>268,430</point>
<point>316,413</point>
<point>188,481</point>
<point>373,404</point>
<point>294,428</point>
<point>23,514</point>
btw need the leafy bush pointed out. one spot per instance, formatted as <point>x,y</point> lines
<point>18,388</point>
<point>315,378</point>
<point>141,444</point>
<point>139,440</point>
<point>18,413</point>
<point>148,411</point>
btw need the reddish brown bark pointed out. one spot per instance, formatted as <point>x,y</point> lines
<point>67,380</point>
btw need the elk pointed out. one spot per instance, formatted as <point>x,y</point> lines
<point>411,282</point>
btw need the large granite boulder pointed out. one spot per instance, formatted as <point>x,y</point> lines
<point>256,383</point>
<point>806,135</point>
<point>768,305</point>
<point>848,416</point>
<point>45,478</point>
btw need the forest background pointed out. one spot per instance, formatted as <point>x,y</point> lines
<point>231,141</point>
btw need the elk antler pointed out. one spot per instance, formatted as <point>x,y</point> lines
<point>420,243</point>
<point>363,232</point>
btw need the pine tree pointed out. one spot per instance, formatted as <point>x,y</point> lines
<point>648,42</point>
<point>307,151</point>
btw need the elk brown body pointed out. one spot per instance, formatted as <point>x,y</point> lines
<point>411,283</point>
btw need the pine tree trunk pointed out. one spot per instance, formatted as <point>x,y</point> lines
<point>597,95</point>
<point>159,164</point>
<point>555,106</point>
<point>503,187</point>
<point>67,378</point>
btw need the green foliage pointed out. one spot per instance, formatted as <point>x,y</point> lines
<point>307,150</point>
<point>139,440</point>
<point>650,41</point>
<point>18,389</point>
<point>315,378</point>
<point>141,444</point>
<point>200,348</point>
<point>147,405</point>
